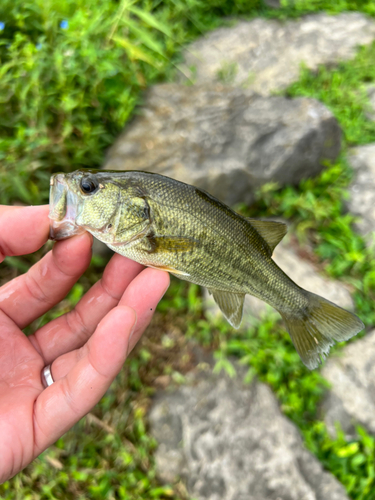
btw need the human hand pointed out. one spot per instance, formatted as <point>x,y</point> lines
<point>85,347</point>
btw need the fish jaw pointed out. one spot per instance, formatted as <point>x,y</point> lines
<point>64,208</point>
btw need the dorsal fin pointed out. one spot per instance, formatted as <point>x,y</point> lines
<point>272,232</point>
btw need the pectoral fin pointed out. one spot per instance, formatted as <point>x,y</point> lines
<point>231,305</point>
<point>161,244</point>
<point>272,232</point>
<point>169,270</point>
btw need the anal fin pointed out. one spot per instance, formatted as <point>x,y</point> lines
<point>231,305</point>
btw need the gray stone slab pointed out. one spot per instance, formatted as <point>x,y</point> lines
<point>362,189</point>
<point>351,400</point>
<point>370,111</point>
<point>227,141</point>
<point>229,441</point>
<point>266,55</point>
<point>274,4</point>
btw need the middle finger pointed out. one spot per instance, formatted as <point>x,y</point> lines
<point>72,330</point>
<point>27,297</point>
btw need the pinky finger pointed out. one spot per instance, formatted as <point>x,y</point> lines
<point>66,401</point>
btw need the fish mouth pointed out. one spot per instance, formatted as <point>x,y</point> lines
<point>63,209</point>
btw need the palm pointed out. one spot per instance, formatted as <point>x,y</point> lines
<point>86,346</point>
<point>20,386</point>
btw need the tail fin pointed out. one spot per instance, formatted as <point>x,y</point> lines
<point>319,327</point>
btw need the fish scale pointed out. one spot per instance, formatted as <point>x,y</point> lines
<point>222,236</point>
<point>173,226</point>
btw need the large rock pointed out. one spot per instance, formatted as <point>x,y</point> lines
<point>274,4</point>
<point>370,111</point>
<point>229,441</point>
<point>227,141</point>
<point>300,270</point>
<point>362,189</point>
<point>351,400</point>
<point>266,55</point>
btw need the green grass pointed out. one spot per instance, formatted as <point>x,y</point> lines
<point>343,90</point>
<point>317,210</point>
<point>267,351</point>
<point>66,91</point>
<point>107,455</point>
<point>319,205</point>
<point>65,94</point>
<point>299,7</point>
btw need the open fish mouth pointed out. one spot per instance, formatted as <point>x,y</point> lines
<point>63,209</point>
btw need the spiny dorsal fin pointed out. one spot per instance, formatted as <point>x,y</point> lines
<point>231,305</point>
<point>272,232</point>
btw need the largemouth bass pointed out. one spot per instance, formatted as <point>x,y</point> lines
<point>169,225</point>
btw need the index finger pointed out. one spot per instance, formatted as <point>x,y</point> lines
<point>23,230</point>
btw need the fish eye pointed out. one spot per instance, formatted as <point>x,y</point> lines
<point>88,185</point>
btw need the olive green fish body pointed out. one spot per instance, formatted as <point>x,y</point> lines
<point>209,244</point>
<point>169,225</point>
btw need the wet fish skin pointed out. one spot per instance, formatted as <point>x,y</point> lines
<point>169,225</point>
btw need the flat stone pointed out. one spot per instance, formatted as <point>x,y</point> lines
<point>362,189</point>
<point>229,441</point>
<point>227,141</point>
<point>302,272</point>
<point>370,112</point>
<point>274,4</point>
<point>351,373</point>
<point>266,55</point>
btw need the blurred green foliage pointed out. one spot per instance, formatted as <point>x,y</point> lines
<point>96,459</point>
<point>299,7</point>
<point>317,211</point>
<point>268,353</point>
<point>343,90</point>
<point>352,462</point>
<point>318,205</point>
<point>71,74</point>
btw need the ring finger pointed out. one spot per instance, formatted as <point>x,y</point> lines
<point>71,330</point>
<point>142,296</point>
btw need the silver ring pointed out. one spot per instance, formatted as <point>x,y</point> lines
<point>47,378</point>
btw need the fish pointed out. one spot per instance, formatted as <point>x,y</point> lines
<point>176,227</point>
